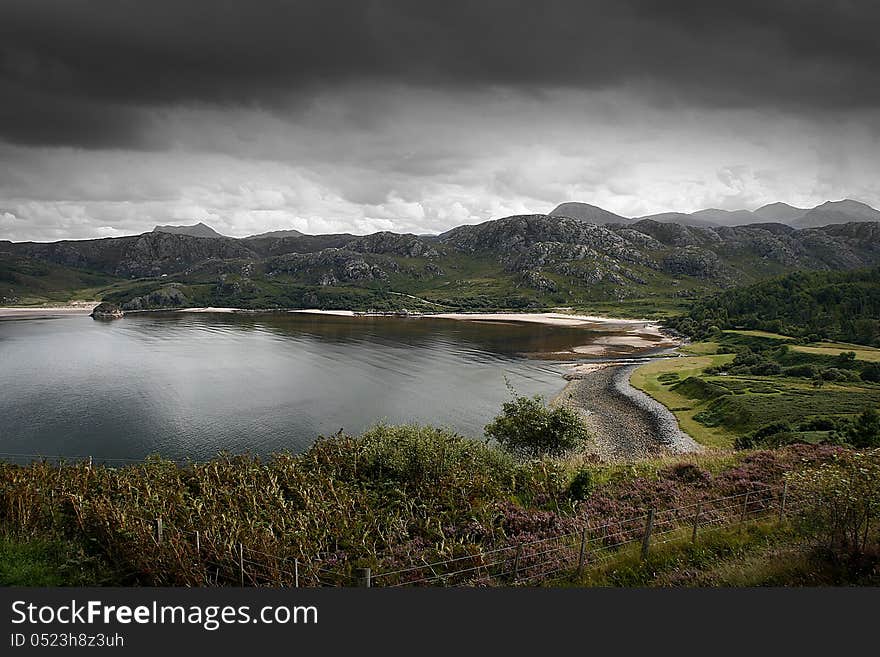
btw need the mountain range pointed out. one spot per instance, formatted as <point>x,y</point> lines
<point>514,262</point>
<point>830,212</point>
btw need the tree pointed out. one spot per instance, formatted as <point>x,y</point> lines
<point>527,428</point>
<point>866,430</point>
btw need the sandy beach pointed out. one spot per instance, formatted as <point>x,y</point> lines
<point>557,319</point>
<point>208,309</point>
<point>77,308</point>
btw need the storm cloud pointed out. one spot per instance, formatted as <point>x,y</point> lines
<point>345,115</point>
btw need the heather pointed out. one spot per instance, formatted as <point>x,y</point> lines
<point>389,498</point>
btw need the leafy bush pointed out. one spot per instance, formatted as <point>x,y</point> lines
<point>835,374</point>
<point>689,473</point>
<point>581,486</point>
<point>770,435</point>
<point>527,428</point>
<point>871,373</point>
<point>808,371</point>
<point>845,496</point>
<point>818,424</point>
<point>865,431</point>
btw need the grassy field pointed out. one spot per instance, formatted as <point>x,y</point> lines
<point>716,408</point>
<point>869,354</point>
<point>764,553</point>
<point>654,378</point>
<point>758,401</point>
<point>40,561</point>
<point>701,348</point>
<point>761,334</point>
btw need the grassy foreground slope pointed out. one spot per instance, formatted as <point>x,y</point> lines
<point>387,499</point>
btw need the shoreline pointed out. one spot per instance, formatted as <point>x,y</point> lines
<point>34,312</point>
<point>626,424</point>
<point>558,319</point>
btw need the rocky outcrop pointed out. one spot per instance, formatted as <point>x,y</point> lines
<point>331,266</point>
<point>167,297</point>
<point>107,311</point>
<point>386,243</point>
<point>536,280</point>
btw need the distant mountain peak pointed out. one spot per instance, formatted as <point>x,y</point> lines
<point>837,212</point>
<point>277,234</point>
<point>590,213</point>
<point>195,230</point>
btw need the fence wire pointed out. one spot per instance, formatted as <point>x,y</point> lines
<point>213,561</point>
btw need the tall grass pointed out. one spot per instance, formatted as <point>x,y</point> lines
<point>391,497</point>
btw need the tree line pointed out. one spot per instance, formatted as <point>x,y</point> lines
<point>840,306</point>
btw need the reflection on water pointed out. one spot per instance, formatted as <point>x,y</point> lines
<point>189,386</point>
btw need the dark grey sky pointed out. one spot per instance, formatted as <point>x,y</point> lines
<point>404,115</point>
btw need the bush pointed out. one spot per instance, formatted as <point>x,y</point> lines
<point>818,424</point>
<point>770,435</point>
<point>527,428</point>
<point>581,486</point>
<point>865,432</point>
<point>807,371</point>
<point>871,373</point>
<point>844,498</point>
<point>689,473</point>
<point>834,374</point>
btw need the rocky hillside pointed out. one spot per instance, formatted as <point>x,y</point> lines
<point>527,260</point>
<point>721,254</point>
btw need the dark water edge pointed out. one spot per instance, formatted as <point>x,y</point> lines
<point>188,386</point>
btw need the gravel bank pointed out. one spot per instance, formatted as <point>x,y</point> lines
<point>626,423</point>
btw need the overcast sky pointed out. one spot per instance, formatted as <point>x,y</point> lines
<point>357,116</point>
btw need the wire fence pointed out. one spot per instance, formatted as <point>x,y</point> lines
<point>205,558</point>
<point>593,545</point>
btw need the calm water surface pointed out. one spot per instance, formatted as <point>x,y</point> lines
<point>189,386</point>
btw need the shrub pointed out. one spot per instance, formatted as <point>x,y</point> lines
<point>865,431</point>
<point>689,473</point>
<point>527,428</point>
<point>834,374</point>
<point>871,373</point>
<point>581,486</point>
<point>818,424</point>
<point>807,371</point>
<point>844,498</point>
<point>770,435</point>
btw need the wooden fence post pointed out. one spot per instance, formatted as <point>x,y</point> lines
<point>516,561</point>
<point>582,558</point>
<point>782,502</point>
<point>742,517</point>
<point>646,540</point>
<point>696,522</point>
<point>159,531</point>
<point>363,577</point>
<point>241,562</point>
